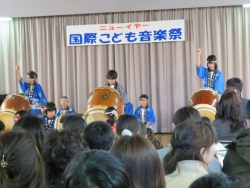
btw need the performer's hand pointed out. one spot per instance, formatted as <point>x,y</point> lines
<point>42,109</point>
<point>199,51</point>
<point>17,67</point>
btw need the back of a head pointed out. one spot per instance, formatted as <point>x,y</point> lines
<point>187,140</point>
<point>75,122</point>
<point>130,122</point>
<point>139,156</point>
<point>20,113</point>
<point>21,164</point>
<point>186,113</point>
<point>59,150</point>
<point>95,168</point>
<point>35,127</point>
<point>2,126</point>
<point>220,180</point>
<point>111,74</point>
<point>235,82</point>
<point>99,135</point>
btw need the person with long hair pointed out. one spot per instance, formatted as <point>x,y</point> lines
<point>129,122</point>
<point>140,160</point>
<point>230,118</point>
<point>21,164</point>
<point>193,149</point>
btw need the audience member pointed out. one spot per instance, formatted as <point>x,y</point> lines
<point>2,126</point>
<point>111,114</point>
<point>75,121</point>
<point>129,122</point>
<point>59,150</point>
<point>19,114</point>
<point>193,149</point>
<point>140,159</point>
<point>21,164</point>
<point>99,135</point>
<point>96,168</point>
<point>151,137</point>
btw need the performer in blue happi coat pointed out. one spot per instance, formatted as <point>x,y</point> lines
<point>65,109</point>
<point>50,116</point>
<point>212,77</point>
<point>32,91</point>
<point>145,113</point>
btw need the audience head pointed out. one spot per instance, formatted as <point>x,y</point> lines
<point>235,82</point>
<point>99,135</point>
<point>151,137</point>
<point>59,150</point>
<point>233,89</point>
<point>185,113</point>
<point>21,163</point>
<point>2,126</point>
<point>143,131</point>
<point>111,113</point>
<point>95,168</point>
<point>141,161</point>
<point>191,140</point>
<point>50,109</point>
<point>19,114</point>
<point>229,107</point>
<point>35,127</point>
<point>220,180</point>
<point>129,122</point>
<point>75,122</point>
<point>211,59</point>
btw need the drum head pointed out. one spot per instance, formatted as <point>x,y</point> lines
<point>206,110</point>
<point>96,113</point>
<point>7,117</point>
<point>15,102</point>
<point>58,124</point>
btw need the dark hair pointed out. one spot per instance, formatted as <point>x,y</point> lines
<point>111,117</point>
<point>233,89</point>
<point>22,112</point>
<point>130,122</point>
<point>2,126</point>
<point>111,74</point>
<point>235,82</point>
<point>212,59</point>
<point>96,168</point>
<point>50,106</point>
<point>59,150</point>
<point>229,107</point>
<point>220,180</point>
<point>141,161</point>
<point>248,109</point>
<point>64,97</point>
<point>35,127</point>
<point>31,74</point>
<point>143,96</point>
<point>22,165</point>
<point>187,140</point>
<point>206,119</point>
<point>143,131</point>
<point>186,113</point>
<point>151,137</point>
<point>99,135</point>
<point>75,122</point>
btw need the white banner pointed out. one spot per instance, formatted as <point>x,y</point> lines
<point>126,33</point>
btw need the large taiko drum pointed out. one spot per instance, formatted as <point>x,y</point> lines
<point>15,102</point>
<point>7,117</point>
<point>99,100</point>
<point>205,100</point>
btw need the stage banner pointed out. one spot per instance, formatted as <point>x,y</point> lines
<point>126,33</point>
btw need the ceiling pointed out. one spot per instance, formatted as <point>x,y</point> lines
<point>33,8</point>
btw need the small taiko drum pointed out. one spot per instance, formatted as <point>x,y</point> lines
<point>7,117</point>
<point>205,100</point>
<point>15,102</point>
<point>99,100</point>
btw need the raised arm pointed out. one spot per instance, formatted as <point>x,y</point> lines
<point>18,72</point>
<point>198,58</point>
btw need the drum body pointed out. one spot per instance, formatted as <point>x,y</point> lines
<point>15,102</point>
<point>205,100</point>
<point>99,100</point>
<point>7,117</point>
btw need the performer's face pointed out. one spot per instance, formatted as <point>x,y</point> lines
<point>51,114</point>
<point>64,103</point>
<point>143,102</point>
<point>111,81</point>
<point>211,66</point>
<point>30,80</point>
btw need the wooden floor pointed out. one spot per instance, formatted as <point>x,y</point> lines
<point>163,138</point>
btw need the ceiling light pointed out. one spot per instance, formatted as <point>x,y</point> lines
<point>246,5</point>
<point>4,19</point>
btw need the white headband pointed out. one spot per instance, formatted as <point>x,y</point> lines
<point>112,112</point>
<point>127,132</point>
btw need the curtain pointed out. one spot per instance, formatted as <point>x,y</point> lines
<point>164,71</point>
